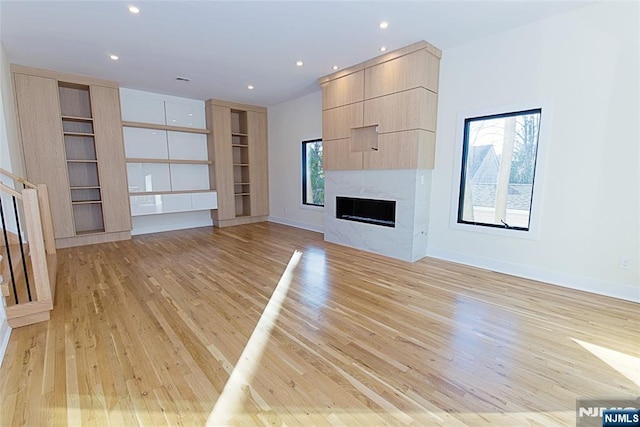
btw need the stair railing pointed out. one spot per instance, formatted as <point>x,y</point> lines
<point>32,297</point>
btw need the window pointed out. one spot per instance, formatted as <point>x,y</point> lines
<point>498,169</point>
<point>312,173</point>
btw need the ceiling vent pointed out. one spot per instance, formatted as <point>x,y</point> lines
<point>183,79</point>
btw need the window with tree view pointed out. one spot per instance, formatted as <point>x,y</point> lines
<point>498,169</point>
<point>312,173</point>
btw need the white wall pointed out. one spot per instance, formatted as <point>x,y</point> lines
<point>290,123</point>
<point>586,64</point>
<point>10,159</point>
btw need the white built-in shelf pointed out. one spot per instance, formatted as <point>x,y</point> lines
<point>160,193</point>
<point>174,161</point>
<point>164,127</point>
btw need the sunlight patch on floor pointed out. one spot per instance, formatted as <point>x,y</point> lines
<point>231,398</point>
<point>625,364</point>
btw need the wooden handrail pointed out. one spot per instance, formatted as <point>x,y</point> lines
<point>10,190</point>
<point>42,253</point>
<point>17,178</point>
<point>36,244</point>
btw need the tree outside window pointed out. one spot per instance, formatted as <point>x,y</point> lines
<point>312,173</point>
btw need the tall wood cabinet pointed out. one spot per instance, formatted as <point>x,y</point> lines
<point>238,147</point>
<point>381,114</point>
<point>71,134</point>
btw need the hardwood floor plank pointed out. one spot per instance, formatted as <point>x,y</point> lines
<point>148,331</point>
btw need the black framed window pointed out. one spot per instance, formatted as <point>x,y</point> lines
<point>312,173</point>
<point>498,169</point>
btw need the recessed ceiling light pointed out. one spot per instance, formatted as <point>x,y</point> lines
<point>114,57</point>
<point>299,63</point>
<point>383,49</point>
<point>250,87</point>
<point>134,10</point>
<point>384,24</point>
<point>335,67</point>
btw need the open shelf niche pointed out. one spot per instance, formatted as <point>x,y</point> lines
<point>82,162</point>
<point>240,153</point>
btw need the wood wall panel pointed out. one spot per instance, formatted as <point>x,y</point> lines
<point>258,169</point>
<point>337,122</point>
<point>43,145</point>
<point>414,149</point>
<point>417,69</point>
<point>338,156</point>
<point>411,109</point>
<point>109,143</point>
<point>219,121</point>
<point>344,90</point>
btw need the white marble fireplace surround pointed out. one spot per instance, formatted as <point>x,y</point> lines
<point>410,189</point>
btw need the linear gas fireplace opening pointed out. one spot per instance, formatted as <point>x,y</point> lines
<point>370,211</point>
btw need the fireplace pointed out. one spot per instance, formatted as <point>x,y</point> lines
<point>370,211</point>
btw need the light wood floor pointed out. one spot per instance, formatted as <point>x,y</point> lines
<point>147,332</point>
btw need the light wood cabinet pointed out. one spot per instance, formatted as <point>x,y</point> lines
<point>420,68</point>
<point>337,122</point>
<point>381,114</point>
<point>337,155</point>
<point>397,112</point>
<point>412,149</point>
<point>36,101</point>
<point>344,90</point>
<point>72,141</point>
<point>238,147</point>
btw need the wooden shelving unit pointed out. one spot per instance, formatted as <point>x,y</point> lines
<point>240,152</point>
<point>238,147</point>
<point>82,162</point>
<point>71,136</point>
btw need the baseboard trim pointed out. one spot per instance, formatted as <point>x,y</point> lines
<point>5,334</point>
<point>601,287</point>
<point>303,225</point>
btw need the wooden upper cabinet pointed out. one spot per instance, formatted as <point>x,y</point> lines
<point>381,114</point>
<point>337,122</point>
<point>43,145</point>
<point>109,148</point>
<point>344,90</point>
<point>412,149</point>
<point>417,69</point>
<point>410,109</point>
<point>337,155</point>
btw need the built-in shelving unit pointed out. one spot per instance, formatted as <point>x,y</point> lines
<point>240,152</point>
<point>238,147</point>
<point>168,166</point>
<point>71,136</point>
<point>82,162</point>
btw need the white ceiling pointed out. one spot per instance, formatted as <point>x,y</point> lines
<point>223,46</point>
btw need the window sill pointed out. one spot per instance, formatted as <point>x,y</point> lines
<point>312,207</point>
